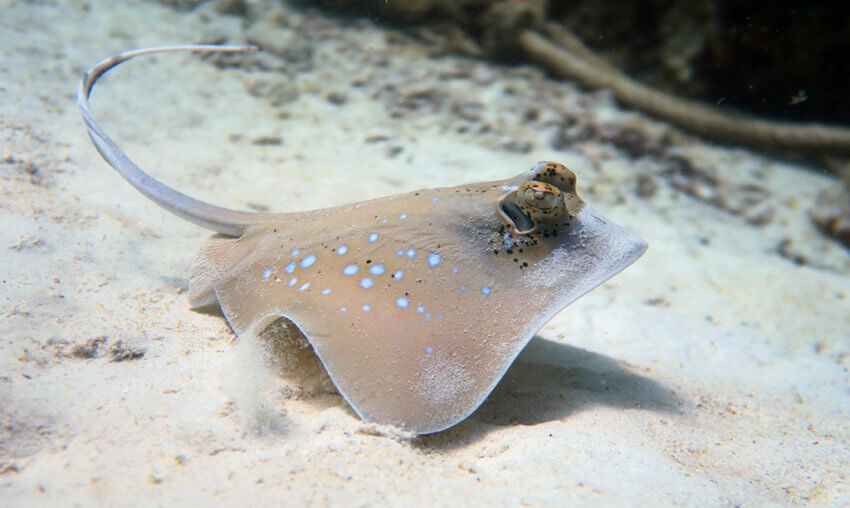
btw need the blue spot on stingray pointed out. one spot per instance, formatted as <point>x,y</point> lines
<point>343,309</point>
<point>384,221</point>
<point>308,261</point>
<point>509,244</point>
<point>377,269</point>
<point>304,286</point>
<point>420,309</point>
<point>293,281</point>
<point>289,268</point>
<point>399,253</point>
<point>342,249</point>
<point>434,199</point>
<point>403,303</point>
<point>366,283</point>
<point>402,216</point>
<point>295,253</point>
<point>267,273</point>
<point>350,270</point>
<point>428,316</point>
<point>411,252</point>
<point>454,270</point>
<point>326,291</point>
<point>485,290</point>
<point>434,259</point>
<point>463,288</point>
<point>439,318</point>
<point>373,238</point>
<point>366,308</point>
<point>429,350</point>
<point>398,275</point>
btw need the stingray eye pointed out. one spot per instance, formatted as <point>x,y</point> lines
<point>531,204</point>
<point>538,196</point>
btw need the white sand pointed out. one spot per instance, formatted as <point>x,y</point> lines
<point>712,372</point>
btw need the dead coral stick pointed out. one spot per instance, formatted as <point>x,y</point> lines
<point>692,116</point>
<point>568,41</point>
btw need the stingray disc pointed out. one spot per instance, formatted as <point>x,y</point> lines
<point>417,304</point>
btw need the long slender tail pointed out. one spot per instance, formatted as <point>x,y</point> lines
<point>222,220</point>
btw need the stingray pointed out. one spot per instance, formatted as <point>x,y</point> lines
<point>416,304</point>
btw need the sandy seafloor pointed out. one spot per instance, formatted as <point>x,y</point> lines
<point>711,372</point>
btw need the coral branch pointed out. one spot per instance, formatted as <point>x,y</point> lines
<point>571,60</point>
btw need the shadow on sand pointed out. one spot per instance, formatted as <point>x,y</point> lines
<point>550,381</point>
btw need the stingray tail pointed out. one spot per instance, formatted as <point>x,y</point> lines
<point>222,220</point>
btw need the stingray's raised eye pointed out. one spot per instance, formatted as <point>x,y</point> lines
<point>531,204</point>
<point>541,196</point>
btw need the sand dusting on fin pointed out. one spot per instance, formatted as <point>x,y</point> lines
<point>251,383</point>
<point>270,368</point>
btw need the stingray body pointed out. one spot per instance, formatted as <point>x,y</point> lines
<point>416,304</point>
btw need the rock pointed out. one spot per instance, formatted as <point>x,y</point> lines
<point>121,352</point>
<point>87,350</point>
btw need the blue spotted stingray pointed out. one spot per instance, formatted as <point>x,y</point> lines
<point>416,304</point>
